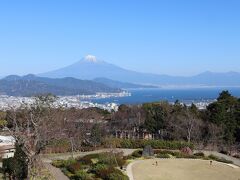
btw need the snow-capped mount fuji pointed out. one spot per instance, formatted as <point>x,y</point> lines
<point>90,68</point>
<point>91,58</point>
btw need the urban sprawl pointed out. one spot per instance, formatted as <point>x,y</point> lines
<point>81,101</point>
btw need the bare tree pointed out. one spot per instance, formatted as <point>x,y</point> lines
<point>33,126</point>
<point>192,125</point>
<point>128,117</point>
<point>184,125</point>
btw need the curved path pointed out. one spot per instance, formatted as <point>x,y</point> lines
<point>56,172</point>
<point>129,169</point>
<point>64,156</point>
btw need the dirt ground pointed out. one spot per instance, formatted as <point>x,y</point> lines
<point>183,169</point>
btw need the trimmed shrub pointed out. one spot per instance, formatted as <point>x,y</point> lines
<point>117,176</point>
<point>120,161</point>
<point>237,156</point>
<point>213,157</point>
<point>112,142</point>
<point>67,173</point>
<point>98,167</point>
<point>59,163</point>
<point>182,155</point>
<point>224,152</point>
<point>110,173</point>
<point>192,157</point>
<point>103,171</point>
<point>63,163</point>
<point>177,154</point>
<point>206,158</point>
<point>155,144</point>
<point>163,156</point>
<point>86,160</point>
<point>165,152</point>
<point>73,168</point>
<point>137,154</point>
<point>81,175</point>
<point>91,156</point>
<point>187,151</point>
<point>199,154</point>
<point>112,159</point>
<point>157,151</point>
<point>107,159</point>
<point>127,143</point>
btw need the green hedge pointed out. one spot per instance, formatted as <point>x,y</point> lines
<point>63,163</point>
<point>106,172</point>
<point>173,153</point>
<point>199,154</point>
<point>163,156</point>
<point>176,154</point>
<point>156,144</point>
<point>81,175</point>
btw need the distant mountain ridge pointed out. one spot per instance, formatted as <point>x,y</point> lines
<point>90,68</point>
<point>30,85</point>
<point>122,85</point>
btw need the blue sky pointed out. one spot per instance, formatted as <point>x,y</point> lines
<point>160,36</point>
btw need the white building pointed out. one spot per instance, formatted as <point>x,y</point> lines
<point>7,146</point>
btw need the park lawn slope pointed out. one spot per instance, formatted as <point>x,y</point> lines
<point>183,169</point>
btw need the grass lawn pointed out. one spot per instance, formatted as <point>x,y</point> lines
<point>183,169</point>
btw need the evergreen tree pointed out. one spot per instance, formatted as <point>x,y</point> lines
<point>155,117</point>
<point>225,113</point>
<point>17,166</point>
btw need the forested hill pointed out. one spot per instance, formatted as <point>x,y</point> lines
<point>33,85</point>
<point>219,124</point>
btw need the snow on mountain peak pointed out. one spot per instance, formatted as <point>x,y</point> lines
<point>91,58</point>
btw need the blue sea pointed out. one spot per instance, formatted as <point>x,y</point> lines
<point>188,95</point>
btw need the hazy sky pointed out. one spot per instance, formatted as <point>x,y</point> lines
<point>181,37</point>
